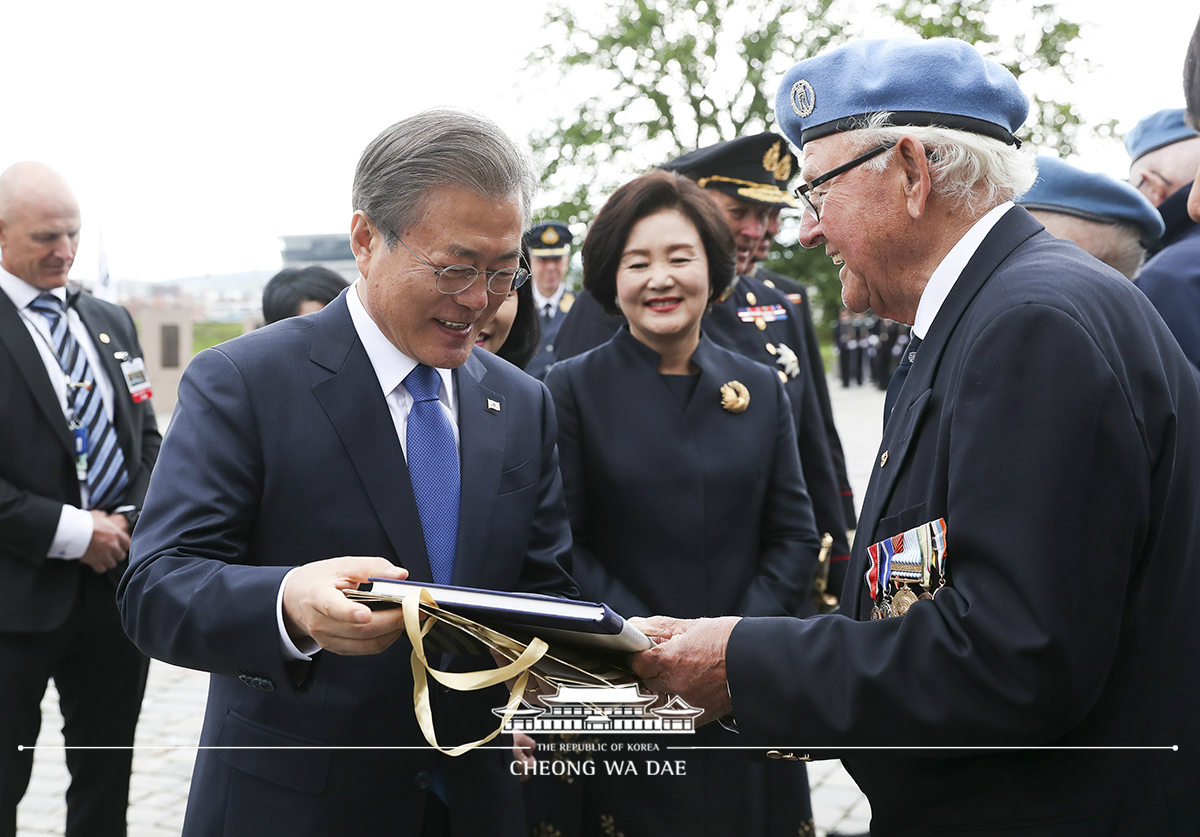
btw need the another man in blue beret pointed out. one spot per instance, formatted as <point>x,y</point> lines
<point>1107,218</point>
<point>1019,613</point>
<point>1165,154</point>
<point>549,247</point>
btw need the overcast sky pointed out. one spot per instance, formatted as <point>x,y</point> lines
<point>196,136</point>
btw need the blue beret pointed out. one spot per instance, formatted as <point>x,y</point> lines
<point>1157,131</point>
<point>549,239</point>
<point>755,169</point>
<point>941,81</point>
<point>1061,187</point>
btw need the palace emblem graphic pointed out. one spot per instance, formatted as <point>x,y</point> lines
<point>601,710</point>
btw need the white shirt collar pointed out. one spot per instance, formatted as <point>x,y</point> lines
<point>22,293</point>
<point>390,364</point>
<point>554,299</point>
<point>951,267</point>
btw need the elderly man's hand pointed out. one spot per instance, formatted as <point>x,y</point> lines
<point>689,661</point>
<point>315,607</point>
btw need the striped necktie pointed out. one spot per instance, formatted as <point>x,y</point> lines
<point>107,477</point>
<point>433,467</point>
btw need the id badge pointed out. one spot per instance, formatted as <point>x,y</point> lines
<point>81,452</point>
<point>135,378</point>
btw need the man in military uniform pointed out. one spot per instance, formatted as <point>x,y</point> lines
<point>1109,219</point>
<point>549,246</point>
<point>742,176</point>
<point>1165,154</point>
<point>846,345</point>
<point>1015,649</point>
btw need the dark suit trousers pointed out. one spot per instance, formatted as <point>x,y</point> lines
<point>100,677</point>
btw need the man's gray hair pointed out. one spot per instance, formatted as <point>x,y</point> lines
<point>438,148</point>
<point>973,172</point>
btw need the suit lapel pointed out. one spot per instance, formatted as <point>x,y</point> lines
<point>1010,232</point>
<point>359,413</point>
<point>482,423</point>
<point>28,361</point>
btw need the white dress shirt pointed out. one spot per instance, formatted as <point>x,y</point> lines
<point>951,267</point>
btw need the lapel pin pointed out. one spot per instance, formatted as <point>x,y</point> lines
<point>883,459</point>
<point>104,338</point>
<point>493,406</point>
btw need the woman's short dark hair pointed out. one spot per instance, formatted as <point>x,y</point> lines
<point>640,198</point>
<point>292,286</point>
<point>522,342</point>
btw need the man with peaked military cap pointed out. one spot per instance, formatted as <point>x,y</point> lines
<point>1022,574</point>
<point>1109,219</point>
<point>549,246</point>
<point>743,177</point>
<point>1165,153</point>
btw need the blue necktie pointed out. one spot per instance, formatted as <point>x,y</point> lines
<point>107,477</point>
<point>433,468</point>
<point>893,390</point>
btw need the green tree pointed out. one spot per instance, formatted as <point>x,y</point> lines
<point>662,77</point>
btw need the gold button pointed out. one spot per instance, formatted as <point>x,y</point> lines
<point>104,337</point>
<point>771,348</point>
<point>751,298</point>
<point>774,754</point>
<point>768,283</point>
<point>782,375</point>
<point>761,323</point>
<point>883,459</point>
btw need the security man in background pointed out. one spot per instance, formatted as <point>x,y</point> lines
<point>1165,154</point>
<point>549,246</point>
<point>78,442</point>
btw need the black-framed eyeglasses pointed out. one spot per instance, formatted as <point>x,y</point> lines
<point>811,203</point>
<point>458,277</point>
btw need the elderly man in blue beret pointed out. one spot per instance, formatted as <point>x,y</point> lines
<point>1016,653</point>
<point>1107,218</point>
<point>1165,154</point>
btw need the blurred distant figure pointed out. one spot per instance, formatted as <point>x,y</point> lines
<point>296,291</point>
<point>1109,219</point>
<point>549,247</point>
<point>1164,154</point>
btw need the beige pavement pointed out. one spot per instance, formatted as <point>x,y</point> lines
<point>174,706</point>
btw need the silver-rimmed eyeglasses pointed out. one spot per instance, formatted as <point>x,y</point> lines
<point>810,202</point>
<point>458,277</point>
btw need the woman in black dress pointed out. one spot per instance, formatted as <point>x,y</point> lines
<point>686,498</point>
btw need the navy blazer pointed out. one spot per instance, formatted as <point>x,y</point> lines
<point>1054,424</point>
<point>282,451</point>
<point>37,462</point>
<point>688,512</point>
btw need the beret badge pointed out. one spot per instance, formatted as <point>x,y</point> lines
<point>804,98</point>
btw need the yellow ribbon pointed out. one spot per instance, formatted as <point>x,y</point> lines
<point>463,681</point>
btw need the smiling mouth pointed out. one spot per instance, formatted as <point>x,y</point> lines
<point>663,302</point>
<point>453,326</point>
<point>836,258</point>
<point>482,338</point>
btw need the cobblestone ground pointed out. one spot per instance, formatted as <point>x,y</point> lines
<point>174,707</point>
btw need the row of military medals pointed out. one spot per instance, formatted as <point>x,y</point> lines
<point>899,562</point>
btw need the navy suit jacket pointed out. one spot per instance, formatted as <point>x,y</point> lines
<point>37,462</point>
<point>282,451</point>
<point>1054,424</point>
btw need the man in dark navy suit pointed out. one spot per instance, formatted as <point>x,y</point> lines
<point>368,439</point>
<point>77,443</point>
<point>1022,573</point>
